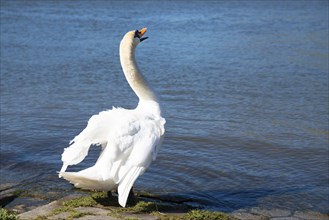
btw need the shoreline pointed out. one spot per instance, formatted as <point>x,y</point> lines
<point>96,205</point>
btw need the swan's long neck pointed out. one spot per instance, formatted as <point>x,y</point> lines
<point>134,77</point>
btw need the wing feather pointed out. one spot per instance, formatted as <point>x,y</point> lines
<point>130,142</point>
<point>97,131</point>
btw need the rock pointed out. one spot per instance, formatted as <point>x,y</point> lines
<point>94,210</point>
<point>270,212</point>
<point>6,186</point>
<point>242,215</point>
<point>24,204</point>
<point>7,194</point>
<point>45,209</point>
<point>311,215</point>
<point>40,211</point>
<point>100,212</point>
<point>63,215</point>
<point>139,216</point>
<point>285,218</point>
<point>6,199</point>
<point>93,217</point>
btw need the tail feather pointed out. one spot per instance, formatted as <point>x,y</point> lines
<point>86,182</point>
<point>64,167</point>
<point>75,153</point>
<point>127,182</point>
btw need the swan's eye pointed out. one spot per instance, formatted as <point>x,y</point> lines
<point>137,34</point>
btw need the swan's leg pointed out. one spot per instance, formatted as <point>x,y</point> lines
<point>131,201</point>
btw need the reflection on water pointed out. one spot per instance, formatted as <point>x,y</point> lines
<point>244,90</point>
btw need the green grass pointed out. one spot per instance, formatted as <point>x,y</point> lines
<point>84,201</point>
<point>76,214</point>
<point>6,215</point>
<point>41,218</point>
<point>204,214</point>
<point>68,206</point>
<point>150,207</point>
<point>101,198</point>
<point>73,213</point>
<point>158,209</point>
<point>141,207</point>
<point>94,199</point>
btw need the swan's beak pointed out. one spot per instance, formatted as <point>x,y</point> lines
<point>141,32</point>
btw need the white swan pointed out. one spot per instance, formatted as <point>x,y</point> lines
<point>130,139</point>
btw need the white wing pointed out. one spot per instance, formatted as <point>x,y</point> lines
<point>97,131</point>
<point>144,150</point>
<point>130,144</point>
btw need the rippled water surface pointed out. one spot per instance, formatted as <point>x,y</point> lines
<point>243,84</point>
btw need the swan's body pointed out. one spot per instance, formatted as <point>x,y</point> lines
<point>130,139</point>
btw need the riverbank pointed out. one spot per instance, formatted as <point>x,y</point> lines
<point>97,205</point>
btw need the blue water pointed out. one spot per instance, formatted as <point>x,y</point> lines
<point>243,86</point>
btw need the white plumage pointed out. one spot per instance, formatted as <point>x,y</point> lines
<point>130,139</point>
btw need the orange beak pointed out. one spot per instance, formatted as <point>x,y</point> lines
<point>142,32</point>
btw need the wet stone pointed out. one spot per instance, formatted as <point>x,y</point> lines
<point>270,212</point>
<point>24,204</point>
<point>93,217</point>
<point>63,215</point>
<point>311,215</point>
<point>139,216</point>
<point>7,194</point>
<point>285,218</point>
<point>40,211</point>
<point>242,215</point>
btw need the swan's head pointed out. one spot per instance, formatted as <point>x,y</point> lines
<point>134,37</point>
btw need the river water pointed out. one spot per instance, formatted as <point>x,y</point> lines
<point>243,86</point>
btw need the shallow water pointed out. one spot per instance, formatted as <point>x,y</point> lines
<point>243,85</point>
